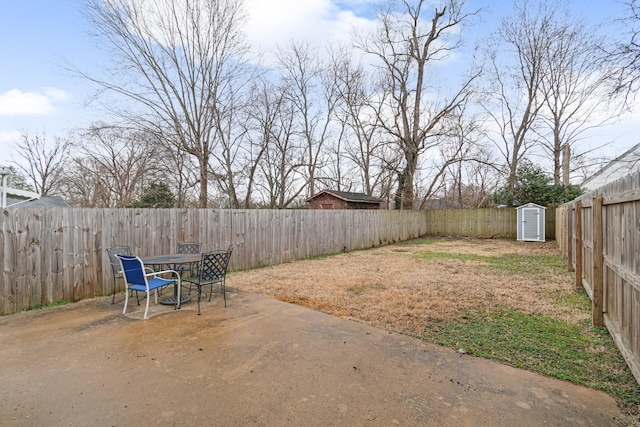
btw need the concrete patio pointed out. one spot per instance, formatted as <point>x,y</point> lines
<point>260,362</point>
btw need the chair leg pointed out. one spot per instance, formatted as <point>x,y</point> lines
<point>113,299</point>
<point>224,293</point>
<point>199,296</point>
<point>126,300</point>
<point>146,309</point>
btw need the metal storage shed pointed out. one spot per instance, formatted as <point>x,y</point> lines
<point>531,222</point>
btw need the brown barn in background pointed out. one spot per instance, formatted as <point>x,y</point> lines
<point>329,199</point>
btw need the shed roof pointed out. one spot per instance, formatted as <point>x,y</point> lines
<point>531,205</point>
<point>347,196</point>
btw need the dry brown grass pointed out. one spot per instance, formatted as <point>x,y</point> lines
<point>395,288</point>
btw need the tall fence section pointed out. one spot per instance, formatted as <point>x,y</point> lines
<point>59,254</point>
<point>599,234</point>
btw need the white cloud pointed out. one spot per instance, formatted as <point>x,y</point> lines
<point>277,22</point>
<point>56,94</point>
<point>9,137</point>
<point>15,103</point>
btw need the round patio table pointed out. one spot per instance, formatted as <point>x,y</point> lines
<point>172,260</point>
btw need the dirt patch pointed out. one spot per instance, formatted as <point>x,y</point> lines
<point>404,287</point>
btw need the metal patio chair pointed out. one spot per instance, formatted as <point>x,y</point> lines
<point>212,270</point>
<point>115,265</point>
<point>141,279</point>
<point>188,248</point>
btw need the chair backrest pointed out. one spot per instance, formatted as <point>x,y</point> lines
<point>189,248</point>
<point>113,259</point>
<point>133,269</point>
<point>213,265</point>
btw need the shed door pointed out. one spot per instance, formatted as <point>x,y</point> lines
<point>530,224</point>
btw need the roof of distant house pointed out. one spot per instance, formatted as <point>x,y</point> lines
<point>348,196</point>
<point>42,202</point>
<point>623,165</point>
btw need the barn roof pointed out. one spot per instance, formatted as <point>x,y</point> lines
<point>347,196</point>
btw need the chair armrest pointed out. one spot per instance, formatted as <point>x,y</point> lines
<point>157,273</point>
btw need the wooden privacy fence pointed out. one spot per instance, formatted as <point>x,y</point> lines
<point>599,234</point>
<point>59,254</point>
<point>483,223</point>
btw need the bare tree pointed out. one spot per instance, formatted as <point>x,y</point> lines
<point>231,134</point>
<point>405,46</point>
<point>362,146</point>
<point>517,62</point>
<point>262,114</point>
<point>624,57</point>
<point>280,158</point>
<point>572,91</point>
<point>183,179</point>
<point>311,91</point>
<point>472,181</point>
<point>455,143</point>
<point>111,166</point>
<point>45,161</point>
<point>174,61</point>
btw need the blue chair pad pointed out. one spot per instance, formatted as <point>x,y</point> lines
<point>156,282</point>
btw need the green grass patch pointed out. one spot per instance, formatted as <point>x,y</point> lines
<point>579,299</point>
<point>357,290</point>
<point>577,353</point>
<point>510,263</point>
<point>419,242</point>
<point>322,256</point>
<point>53,304</point>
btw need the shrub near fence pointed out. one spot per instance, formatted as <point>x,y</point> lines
<point>599,234</point>
<point>59,254</point>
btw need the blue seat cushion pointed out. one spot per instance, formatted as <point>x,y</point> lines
<point>156,282</point>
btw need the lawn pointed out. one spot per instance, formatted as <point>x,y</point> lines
<point>510,301</point>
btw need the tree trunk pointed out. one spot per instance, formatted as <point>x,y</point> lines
<point>204,185</point>
<point>566,158</point>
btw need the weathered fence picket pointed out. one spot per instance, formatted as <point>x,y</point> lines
<point>603,248</point>
<point>59,254</point>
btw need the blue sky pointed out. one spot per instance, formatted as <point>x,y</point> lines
<point>38,37</point>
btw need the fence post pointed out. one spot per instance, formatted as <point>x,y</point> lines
<point>598,297</point>
<point>579,244</point>
<point>570,238</point>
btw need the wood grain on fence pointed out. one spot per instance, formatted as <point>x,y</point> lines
<point>609,270</point>
<point>59,254</point>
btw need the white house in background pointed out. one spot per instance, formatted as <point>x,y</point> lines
<point>624,165</point>
<point>17,197</point>
<point>11,196</point>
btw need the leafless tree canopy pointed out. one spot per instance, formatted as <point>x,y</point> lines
<point>411,38</point>
<point>178,63</point>
<point>188,106</point>
<point>624,56</point>
<point>44,161</point>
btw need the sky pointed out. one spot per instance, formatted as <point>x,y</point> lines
<point>39,39</point>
